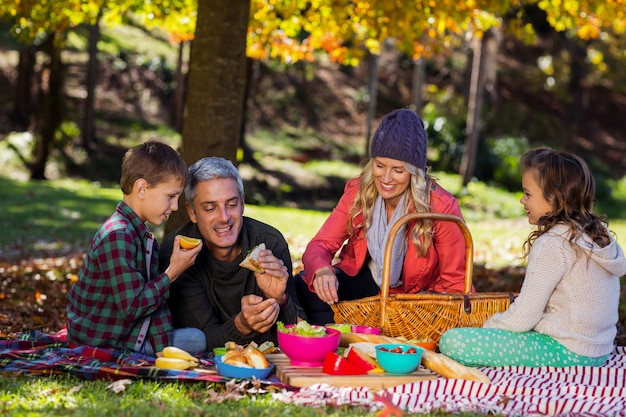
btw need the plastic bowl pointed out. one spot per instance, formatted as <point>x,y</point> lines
<point>343,328</point>
<point>398,362</point>
<point>219,351</point>
<point>308,351</point>
<point>232,371</point>
<point>427,345</point>
<point>365,329</point>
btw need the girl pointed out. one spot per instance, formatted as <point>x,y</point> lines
<point>567,309</point>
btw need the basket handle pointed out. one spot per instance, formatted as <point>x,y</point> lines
<point>469,249</point>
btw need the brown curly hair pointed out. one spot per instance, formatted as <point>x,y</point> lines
<point>569,187</point>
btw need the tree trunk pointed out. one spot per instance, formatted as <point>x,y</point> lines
<point>419,75</point>
<point>578,71</point>
<point>178,102</point>
<point>49,109</point>
<point>23,105</point>
<point>371,105</point>
<point>88,131</point>
<point>247,153</point>
<point>215,87</point>
<point>485,51</point>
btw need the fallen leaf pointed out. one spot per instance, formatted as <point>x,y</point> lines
<point>119,385</point>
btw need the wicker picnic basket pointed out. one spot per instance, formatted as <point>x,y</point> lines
<point>423,315</point>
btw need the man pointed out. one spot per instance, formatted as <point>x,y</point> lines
<point>226,301</point>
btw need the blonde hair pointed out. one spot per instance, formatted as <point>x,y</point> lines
<point>420,186</point>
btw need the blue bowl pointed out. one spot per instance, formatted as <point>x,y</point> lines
<point>232,371</point>
<point>402,362</point>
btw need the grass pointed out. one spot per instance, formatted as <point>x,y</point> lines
<point>64,395</point>
<point>40,218</point>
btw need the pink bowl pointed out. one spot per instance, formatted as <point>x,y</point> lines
<point>365,329</point>
<point>308,351</point>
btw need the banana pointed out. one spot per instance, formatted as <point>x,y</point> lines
<point>177,353</point>
<point>174,363</point>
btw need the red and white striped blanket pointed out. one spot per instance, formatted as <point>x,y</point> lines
<point>514,391</point>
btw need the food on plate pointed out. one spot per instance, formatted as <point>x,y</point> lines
<point>335,364</point>
<point>437,362</point>
<point>369,348</point>
<point>177,353</point>
<point>236,358</point>
<point>251,260</point>
<point>187,242</point>
<point>362,360</point>
<point>256,358</point>
<point>268,347</point>
<point>303,328</point>
<point>174,363</point>
<point>249,357</point>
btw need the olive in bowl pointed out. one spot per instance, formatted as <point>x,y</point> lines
<point>398,358</point>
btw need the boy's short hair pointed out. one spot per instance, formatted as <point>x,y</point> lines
<point>155,162</point>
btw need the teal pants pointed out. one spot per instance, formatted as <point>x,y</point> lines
<point>496,347</point>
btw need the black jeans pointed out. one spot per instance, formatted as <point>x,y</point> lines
<point>350,288</point>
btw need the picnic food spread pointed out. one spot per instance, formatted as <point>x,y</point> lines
<point>350,362</point>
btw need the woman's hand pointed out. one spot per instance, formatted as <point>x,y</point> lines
<point>326,284</point>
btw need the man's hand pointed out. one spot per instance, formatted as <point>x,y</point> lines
<point>273,281</point>
<point>326,284</point>
<point>257,314</point>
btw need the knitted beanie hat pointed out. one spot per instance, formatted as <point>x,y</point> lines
<point>401,136</point>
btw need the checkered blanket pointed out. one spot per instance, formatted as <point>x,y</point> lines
<point>514,391</point>
<point>39,353</point>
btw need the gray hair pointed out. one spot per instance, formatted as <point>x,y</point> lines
<point>210,168</point>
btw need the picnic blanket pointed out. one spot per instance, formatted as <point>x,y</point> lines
<point>35,352</point>
<point>514,391</point>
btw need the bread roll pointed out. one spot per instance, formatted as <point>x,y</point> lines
<point>236,358</point>
<point>256,358</point>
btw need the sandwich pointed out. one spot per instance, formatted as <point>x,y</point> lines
<point>251,261</point>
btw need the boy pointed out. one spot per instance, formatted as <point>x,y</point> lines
<point>119,300</point>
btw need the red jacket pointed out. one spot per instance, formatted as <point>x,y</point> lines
<point>441,270</point>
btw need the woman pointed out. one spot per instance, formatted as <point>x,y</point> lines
<point>428,255</point>
<point>567,309</point>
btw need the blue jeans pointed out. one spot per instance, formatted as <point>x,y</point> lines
<point>188,339</point>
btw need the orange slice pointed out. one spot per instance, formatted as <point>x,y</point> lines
<point>187,242</point>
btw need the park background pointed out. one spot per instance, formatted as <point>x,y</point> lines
<point>294,104</point>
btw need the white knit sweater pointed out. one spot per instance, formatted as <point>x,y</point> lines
<point>570,293</point>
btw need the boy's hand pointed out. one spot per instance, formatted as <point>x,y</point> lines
<point>181,259</point>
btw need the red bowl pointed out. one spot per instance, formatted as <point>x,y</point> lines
<point>308,351</point>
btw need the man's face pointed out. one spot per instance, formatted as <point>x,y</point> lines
<point>218,211</point>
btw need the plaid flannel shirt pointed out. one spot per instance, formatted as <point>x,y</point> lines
<point>113,295</point>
